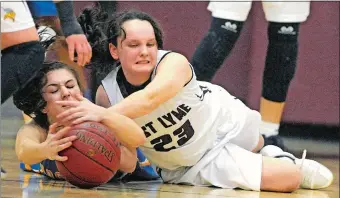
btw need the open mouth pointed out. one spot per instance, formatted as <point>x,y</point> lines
<point>143,62</point>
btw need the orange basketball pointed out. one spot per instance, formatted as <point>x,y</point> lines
<point>93,158</point>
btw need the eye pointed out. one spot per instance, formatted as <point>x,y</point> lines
<point>54,91</point>
<point>133,45</point>
<point>70,86</point>
<point>150,44</point>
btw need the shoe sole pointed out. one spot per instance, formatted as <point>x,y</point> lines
<point>325,186</point>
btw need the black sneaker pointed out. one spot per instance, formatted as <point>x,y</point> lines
<point>275,140</point>
<point>3,173</point>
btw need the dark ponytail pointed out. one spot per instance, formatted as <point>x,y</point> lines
<point>94,23</point>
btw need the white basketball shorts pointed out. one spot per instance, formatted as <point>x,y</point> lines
<point>279,11</point>
<point>15,16</point>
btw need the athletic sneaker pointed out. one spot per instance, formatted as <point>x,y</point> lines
<point>46,36</point>
<point>3,173</point>
<point>315,175</point>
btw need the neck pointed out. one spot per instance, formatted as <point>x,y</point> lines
<point>50,120</point>
<point>137,79</point>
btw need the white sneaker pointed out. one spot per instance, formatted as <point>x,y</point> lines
<point>315,175</point>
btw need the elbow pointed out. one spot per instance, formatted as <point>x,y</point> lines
<point>23,158</point>
<point>138,140</point>
<point>19,151</point>
<point>141,140</point>
<point>20,156</point>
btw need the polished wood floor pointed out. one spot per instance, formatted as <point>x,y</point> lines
<point>23,184</point>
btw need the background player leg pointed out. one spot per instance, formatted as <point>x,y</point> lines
<point>282,51</point>
<point>225,28</point>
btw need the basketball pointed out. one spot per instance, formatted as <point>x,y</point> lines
<point>93,158</point>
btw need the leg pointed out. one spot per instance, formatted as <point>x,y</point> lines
<point>225,28</point>
<point>314,174</point>
<point>21,52</point>
<point>247,136</point>
<point>279,175</point>
<point>18,65</point>
<point>284,19</point>
<point>235,167</point>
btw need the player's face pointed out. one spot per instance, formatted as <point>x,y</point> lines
<point>61,85</point>
<point>137,52</point>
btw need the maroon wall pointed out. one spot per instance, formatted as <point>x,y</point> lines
<point>314,93</point>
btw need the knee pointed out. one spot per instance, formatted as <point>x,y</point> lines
<point>259,145</point>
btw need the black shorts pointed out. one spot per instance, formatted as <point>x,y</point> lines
<point>18,65</point>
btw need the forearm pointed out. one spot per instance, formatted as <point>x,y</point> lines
<point>68,20</point>
<point>128,159</point>
<point>172,75</point>
<point>30,152</point>
<point>136,105</point>
<point>125,129</point>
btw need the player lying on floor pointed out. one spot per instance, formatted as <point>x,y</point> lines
<point>196,132</point>
<point>38,141</point>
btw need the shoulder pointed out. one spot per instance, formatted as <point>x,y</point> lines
<point>102,98</point>
<point>174,59</point>
<point>112,75</point>
<point>32,128</point>
<point>172,54</point>
<point>32,125</point>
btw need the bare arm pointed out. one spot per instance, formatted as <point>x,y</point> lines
<point>126,130</point>
<point>75,38</point>
<point>34,144</point>
<point>173,73</point>
<point>128,157</point>
<point>28,144</point>
<point>101,97</point>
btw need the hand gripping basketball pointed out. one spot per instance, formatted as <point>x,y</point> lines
<point>93,159</point>
<point>55,142</point>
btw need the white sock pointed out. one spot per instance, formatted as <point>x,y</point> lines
<point>269,128</point>
<point>274,151</point>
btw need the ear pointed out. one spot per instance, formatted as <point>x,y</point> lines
<point>44,110</point>
<point>113,51</point>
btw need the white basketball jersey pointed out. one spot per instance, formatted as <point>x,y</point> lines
<point>181,130</point>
